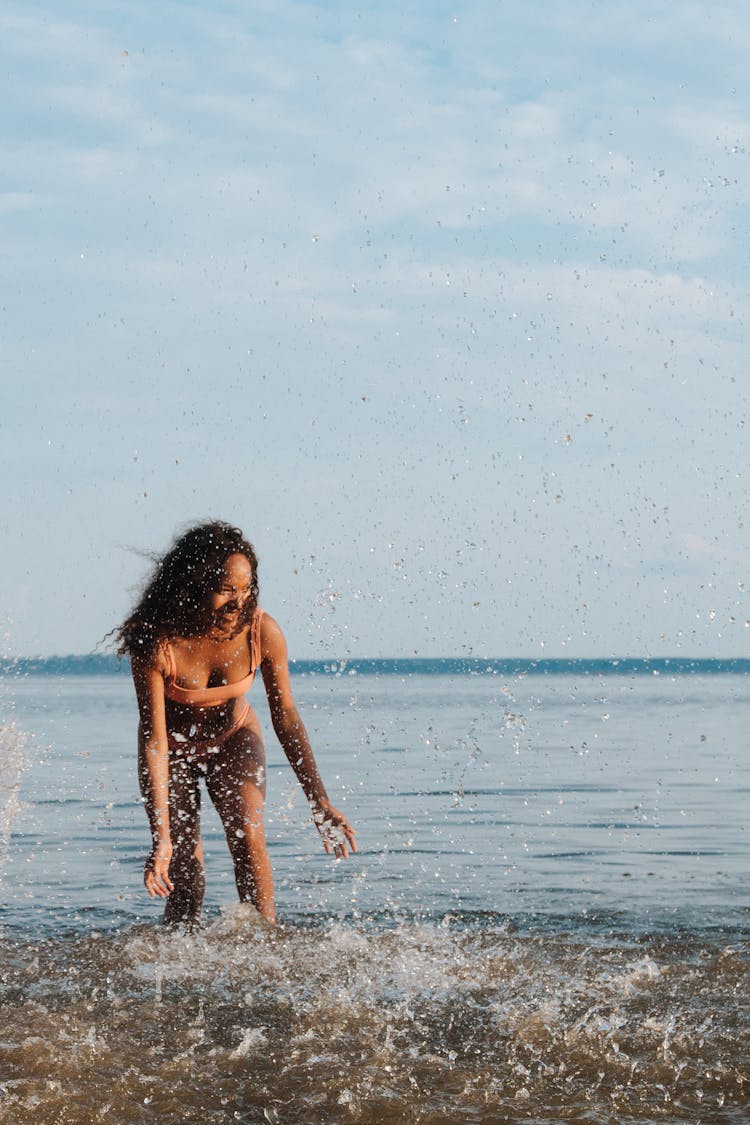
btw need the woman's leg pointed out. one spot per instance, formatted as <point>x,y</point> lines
<point>186,869</point>
<point>236,782</point>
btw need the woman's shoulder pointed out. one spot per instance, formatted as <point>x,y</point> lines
<point>154,658</point>
<point>270,635</point>
<point>267,625</point>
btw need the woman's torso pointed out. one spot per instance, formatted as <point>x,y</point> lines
<point>205,680</point>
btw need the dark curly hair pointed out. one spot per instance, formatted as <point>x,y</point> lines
<point>174,597</point>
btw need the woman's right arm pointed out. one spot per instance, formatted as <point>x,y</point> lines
<point>153,754</point>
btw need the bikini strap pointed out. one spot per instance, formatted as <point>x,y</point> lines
<point>256,654</point>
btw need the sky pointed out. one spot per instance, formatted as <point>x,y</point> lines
<point>444,305</point>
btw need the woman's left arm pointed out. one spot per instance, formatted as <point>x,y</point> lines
<point>335,830</point>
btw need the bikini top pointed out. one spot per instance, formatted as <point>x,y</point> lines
<point>223,693</point>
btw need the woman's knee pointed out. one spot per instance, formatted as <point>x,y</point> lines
<point>186,850</point>
<point>253,826</point>
<point>184,829</point>
<point>243,820</point>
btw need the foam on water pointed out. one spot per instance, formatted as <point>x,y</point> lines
<point>423,1021</point>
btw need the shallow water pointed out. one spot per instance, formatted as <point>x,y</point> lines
<point>547,920</point>
<point>348,1021</point>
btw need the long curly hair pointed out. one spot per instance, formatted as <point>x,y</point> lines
<point>174,597</point>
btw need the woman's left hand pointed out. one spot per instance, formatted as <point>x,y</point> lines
<point>335,830</point>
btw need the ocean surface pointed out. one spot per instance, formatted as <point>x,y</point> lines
<point>548,919</point>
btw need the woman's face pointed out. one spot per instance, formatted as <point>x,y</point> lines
<point>226,603</point>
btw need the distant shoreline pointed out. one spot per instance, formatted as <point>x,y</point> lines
<point>105,664</point>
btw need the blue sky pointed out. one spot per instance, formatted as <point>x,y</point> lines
<point>446,306</point>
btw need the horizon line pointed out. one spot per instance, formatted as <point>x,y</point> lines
<point>110,664</point>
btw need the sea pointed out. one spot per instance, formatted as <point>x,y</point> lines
<point>548,918</point>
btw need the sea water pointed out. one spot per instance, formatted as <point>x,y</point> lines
<point>547,919</point>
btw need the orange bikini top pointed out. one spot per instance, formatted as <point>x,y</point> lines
<point>213,696</point>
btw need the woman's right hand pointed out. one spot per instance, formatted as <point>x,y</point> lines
<point>156,873</point>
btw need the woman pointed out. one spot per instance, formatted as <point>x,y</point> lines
<point>195,640</point>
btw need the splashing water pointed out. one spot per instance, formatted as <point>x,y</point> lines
<point>12,764</point>
<point>432,1021</point>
